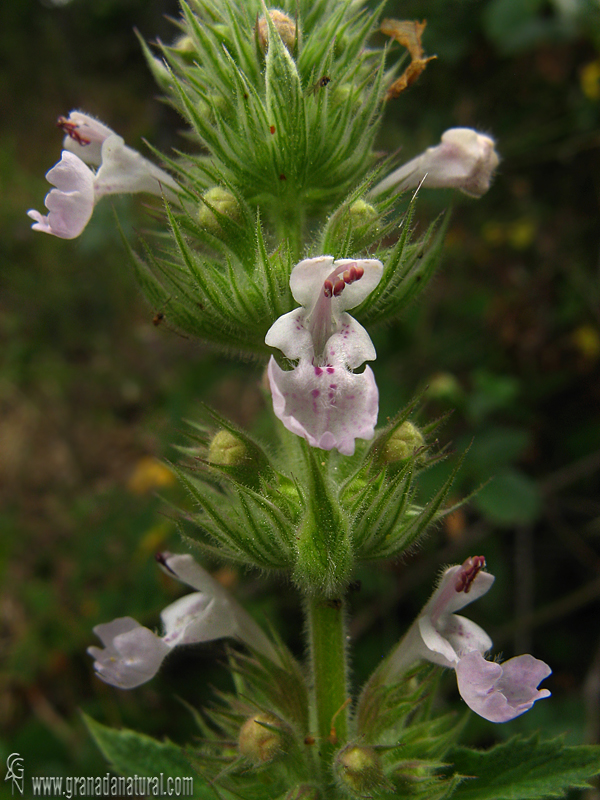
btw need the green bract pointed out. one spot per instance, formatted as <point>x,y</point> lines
<point>312,513</point>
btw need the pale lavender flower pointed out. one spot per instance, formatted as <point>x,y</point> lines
<point>78,188</point>
<point>464,160</point>
<point>501,692</point>
<point>497,692</point>
<point>321,398</point>
<point>133,654</point>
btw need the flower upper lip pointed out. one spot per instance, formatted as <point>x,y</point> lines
<point>305,332</point>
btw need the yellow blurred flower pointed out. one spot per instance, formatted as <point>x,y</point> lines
<point>149,474</point>
<point>153,541</point>
<point>587,340</point>
<point>589,79</point>
<point>521,233</point>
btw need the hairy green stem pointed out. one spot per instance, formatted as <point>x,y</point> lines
<point>327,642</point>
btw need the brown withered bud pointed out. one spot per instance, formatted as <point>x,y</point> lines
<point>285,26</point>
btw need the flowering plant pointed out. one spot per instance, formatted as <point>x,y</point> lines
<point>284,105</point>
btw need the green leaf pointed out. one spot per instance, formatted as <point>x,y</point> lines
<point>524,768</point>
<point>510,498</point>
<point>132,753</point>
<point>514,27</point>
<point>495,448</point>
<point>491,392</point>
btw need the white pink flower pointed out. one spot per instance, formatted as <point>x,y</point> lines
<point>464,160</point>
<point>497,692</point>
<point>78,188</point>
<point>133,654</point>
<point>322,399</point>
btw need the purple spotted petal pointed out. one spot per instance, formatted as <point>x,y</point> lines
<point>351,345</point>
<point>501,692</point>
<point>447,641</point>
<point>329,406</point>
<point>290,335</point>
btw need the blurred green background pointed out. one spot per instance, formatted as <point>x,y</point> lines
<point>91,392</point>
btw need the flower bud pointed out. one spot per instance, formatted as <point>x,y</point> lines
<point>364,223</point>
<point>444,387</point>
<point>402,444</point>
<point>227,450</point>
<point>357,222</point>
<point>261,738</point>
<point>358,770</point>
<point>343,91</point>
<point>223,202</point>
<point>362,213</point>
<point>184,46</point>
<point>219,106</point>
<point>285,26</point>
<point>288,489</point>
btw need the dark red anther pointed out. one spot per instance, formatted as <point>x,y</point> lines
<point>272,128</point>
<point>468,572</point>
<point>338,288</point>
<point>282,177</point>
<point>328,288</point>
<point>353,273</point>
<point>71,129</point>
